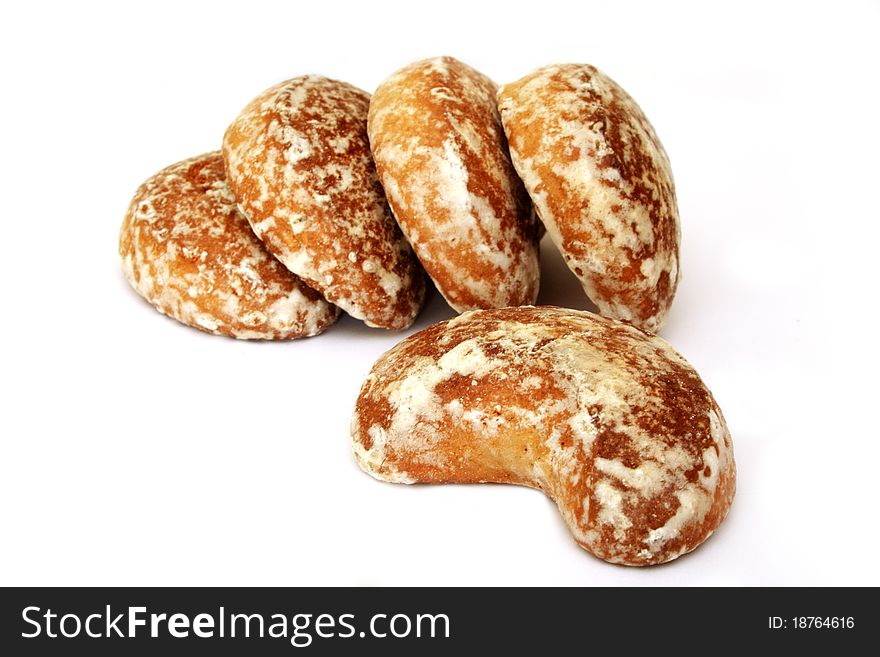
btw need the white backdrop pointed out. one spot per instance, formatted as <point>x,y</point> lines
<point>137,451</point>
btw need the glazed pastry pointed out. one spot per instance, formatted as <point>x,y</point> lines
<point>442,158</point>
<point>187,250</point>
<point>601,182</point>
<point>607,420</point>
<point>299,164</point>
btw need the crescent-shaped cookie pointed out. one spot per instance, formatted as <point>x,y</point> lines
<point>601,183</point>
<point>607,420</point>
<point>299,164</point>
<point>187,250</point>
<point>442,158</point>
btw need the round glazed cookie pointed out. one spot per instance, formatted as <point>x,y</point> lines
<point>442,157</point>
<point>299,164</point>
<point>607,420</point>
<point>187,250</point>
<point>601,182</point>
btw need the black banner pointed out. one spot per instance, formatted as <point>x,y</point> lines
<point>333,621</point>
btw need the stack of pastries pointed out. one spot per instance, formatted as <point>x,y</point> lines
<point>324,199</point>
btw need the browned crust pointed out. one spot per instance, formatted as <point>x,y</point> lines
<point>442,157</point>
<point>602,184</point>
<point>187,249</point>
<point>607,420</point>
<point>299,163</point>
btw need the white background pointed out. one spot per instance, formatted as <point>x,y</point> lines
<point>137,451</point>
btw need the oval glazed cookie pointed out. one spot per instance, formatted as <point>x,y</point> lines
<point>299,164</point>
<point>609,421</point>
<point>601,182</point>
<point>187,250</point>
<point>442,158</point>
